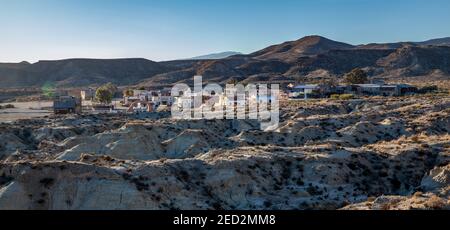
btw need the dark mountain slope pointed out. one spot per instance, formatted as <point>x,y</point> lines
<point>397,45</point>
<point>78,72</point>
<point>291,51</point>
<point>216,55</point>
<point>309,57</point>
<point>436,42</point>
<point>413,61</point>
<point>339,62</point>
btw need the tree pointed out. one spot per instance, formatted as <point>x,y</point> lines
<point>356,76</point>
<point>104,93</point>
<point>111,87</point>
<point>128,93</point>
<point>48,89</point>
<point>331,82</point>
<point>232,81</point>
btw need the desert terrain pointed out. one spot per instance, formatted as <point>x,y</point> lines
<point>367,153</point>
<point>25,110</point>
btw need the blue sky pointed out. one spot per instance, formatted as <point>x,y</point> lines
<point>171,29</point>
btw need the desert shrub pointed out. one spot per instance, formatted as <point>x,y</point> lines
<point>314,190</point>
<point>418,194</point>
<point>7,106</point>
<point>5,179</point>
<point>383,174</point>
<point>128,92</point>
<point>428,89</point>
<point>217,206</point>
<point>356,76</point>
<point>435,202</point>
<point>334,96</point>
<point>267,203</point>
<point>346,96</point>
<point>415,139</point>
<point>366,172</point>
<point>139,181</point>
<point>47,182</point>
<point>184,175</point>
<point>396,184</point>
<point>386,206</point>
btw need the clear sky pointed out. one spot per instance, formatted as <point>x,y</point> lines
<point>34,30</point>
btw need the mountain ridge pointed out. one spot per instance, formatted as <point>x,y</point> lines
<point>305,58</point>
<point>292,50</point>
<point>215,55</point>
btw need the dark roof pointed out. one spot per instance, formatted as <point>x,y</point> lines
<point>65,103</point>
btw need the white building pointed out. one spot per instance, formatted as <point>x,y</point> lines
<point>304,90</point>
<point>162,97</point>
<point>87,95</point>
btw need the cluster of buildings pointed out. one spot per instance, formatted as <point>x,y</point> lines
<point>373,89</point>
<point>143,100</point>
<point>70,101</point>
<point>149,100</point>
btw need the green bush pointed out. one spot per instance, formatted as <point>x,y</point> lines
<point>334,96</point>
<point>356,76</point>
<point>346,96</point>
<point>7,106</point>
<point>342,96</point>
<point>105,93</point>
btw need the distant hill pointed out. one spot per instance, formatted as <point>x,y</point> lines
<point>414,61</point>
<point>396,45</point>
<point>216,55</point>
<point>436,42</point>
<point>291,51</point>
<point>308,58</point>
<point>79,72</point>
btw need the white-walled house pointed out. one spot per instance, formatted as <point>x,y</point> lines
<point>161,97</point>
<point>304,90</point>
<point>87,95</point>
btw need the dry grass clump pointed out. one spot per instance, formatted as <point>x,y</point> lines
<point>415,139</point>
<point>435,202</point>
<point>386,206</point>
<point>418,194</point>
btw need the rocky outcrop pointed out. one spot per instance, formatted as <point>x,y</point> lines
<point>437,180</point>
<point>435,196</point>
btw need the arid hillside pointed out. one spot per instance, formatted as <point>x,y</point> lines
<point>78,72</point>
<point>304,60</point>
<point>372,153</point>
